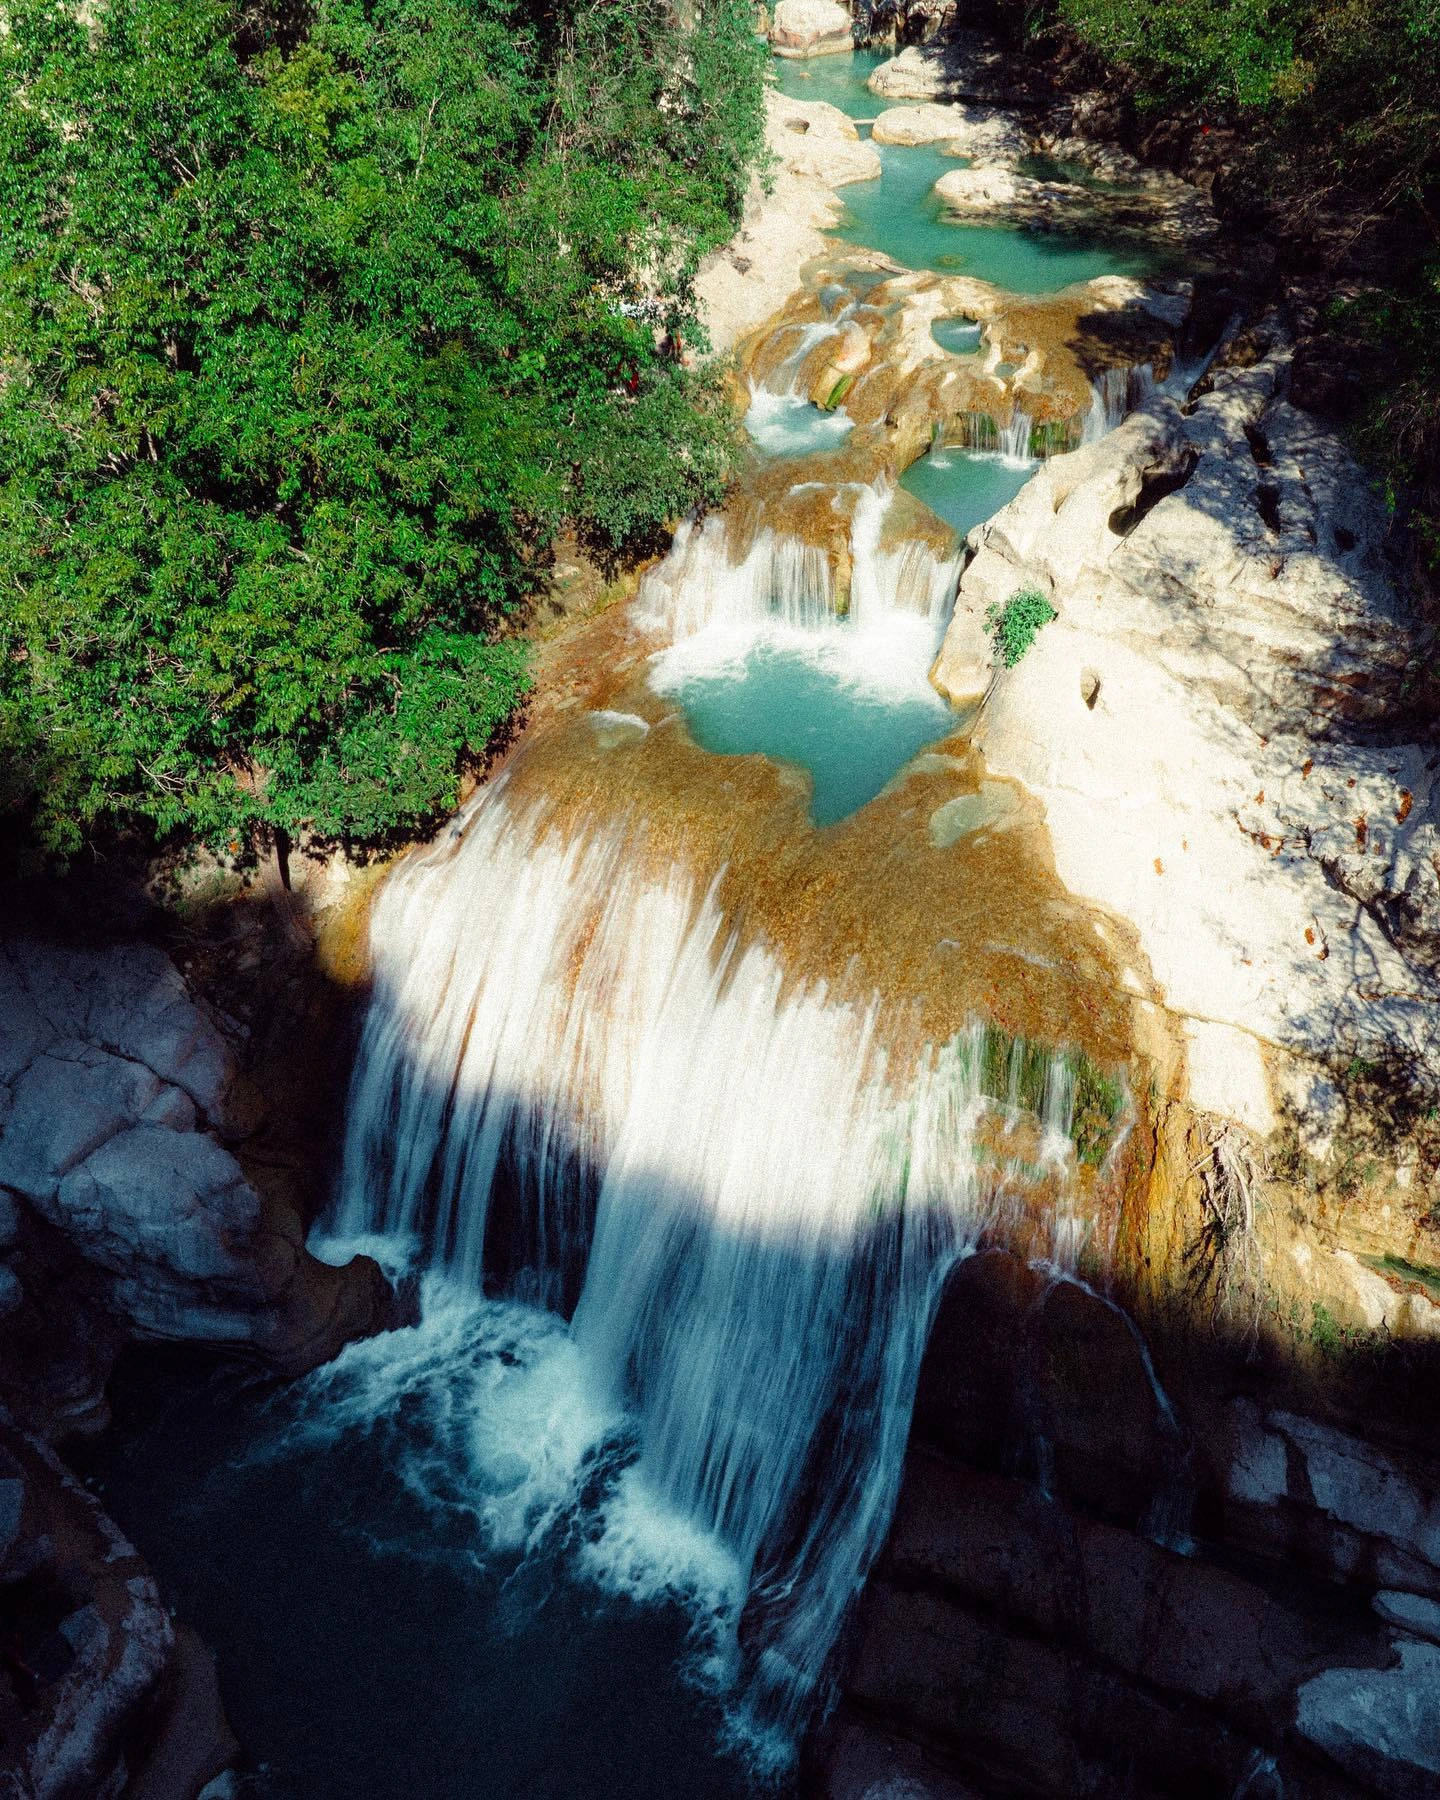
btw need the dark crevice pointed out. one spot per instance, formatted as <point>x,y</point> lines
<point>1259,447</point>
<point>1267,503</point>
<point>1155,485</point>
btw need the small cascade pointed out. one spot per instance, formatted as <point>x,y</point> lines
<point>1115,393</point>
<point>578,1084</point>
<point>785,376</point>
<point>779,579</point>
<point>783,581</point>
<point>978,432</point>
<point>907,580</point>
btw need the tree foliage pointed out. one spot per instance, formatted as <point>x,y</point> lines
<point>312,336</point>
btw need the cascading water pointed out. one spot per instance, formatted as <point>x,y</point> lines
<point>780,418</point>
<point>1115,393</point>
<point>576,1076</point>
<point>766,652</point>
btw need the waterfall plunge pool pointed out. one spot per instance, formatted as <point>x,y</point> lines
<point>966,487</point>
<point>416,1575</point>
<point>850,705</point>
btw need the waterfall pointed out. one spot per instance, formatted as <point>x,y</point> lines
<point>1114,394</point>
<point>579,1083</point>
<point>785,376</point>
<point>781,580</point>
<point>979,432</point>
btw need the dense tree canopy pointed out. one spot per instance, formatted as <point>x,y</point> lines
<point>313,332</point>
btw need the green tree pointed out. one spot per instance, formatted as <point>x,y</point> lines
<point>310,341</point>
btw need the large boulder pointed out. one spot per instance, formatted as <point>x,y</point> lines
<point>968,130</point>
<point>101,1690</point>
<point>811,28</point>
<point>819,143</point>
<point>122,1119</point>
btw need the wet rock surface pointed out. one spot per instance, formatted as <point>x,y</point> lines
<point>1088,1590</point>
<point>101,1691</point>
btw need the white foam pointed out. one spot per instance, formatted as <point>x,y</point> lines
<point>789,425</point>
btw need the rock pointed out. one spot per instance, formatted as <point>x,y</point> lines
<point>12,1295</point>
<point>857,1762</point>
<point>811,28</point>
<point>965,65</point>
<point>915,74</point>
<point>968,130</point>
<point>194,1744</point>
<point>129,1002</point>
<point>992,190</point>
<point>1381,1725</point>
<point>1370,1490</point>
<point>782,229</point>
<point>9,1220</point>
<point>1170,210</point>
<point>112,1073</point>
<point>96,1641</point>
<point>818,142</point>
<point>1411,1612</point>
<point>1232,664</point>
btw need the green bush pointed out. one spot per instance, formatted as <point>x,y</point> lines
<point>312,336</point>
<point>1014,625</point>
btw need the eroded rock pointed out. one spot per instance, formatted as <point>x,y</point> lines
<point>811,28</point>
<point>95,1669</point>
<point>120,1092</point>
<point>1240,650</point>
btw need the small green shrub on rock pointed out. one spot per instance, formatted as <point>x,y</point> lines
<point>1013,626</point>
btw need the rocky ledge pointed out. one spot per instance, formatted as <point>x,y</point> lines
<point>1201,1598</point>
<point>132,1206</point>
<point>123,1186</point>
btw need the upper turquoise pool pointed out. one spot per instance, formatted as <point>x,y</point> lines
<point>900,216</point>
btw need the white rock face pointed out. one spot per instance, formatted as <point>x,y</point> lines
<point>114,1084</point>
<point>811,28</point>
<point>969,130</point>
<point>819,143</point>
<point>745,283</point>
<point>990,190</point>
<point>1381,1725</point>
<point>1225,618</point>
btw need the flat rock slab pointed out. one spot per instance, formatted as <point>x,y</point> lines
<point>969,130</point>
